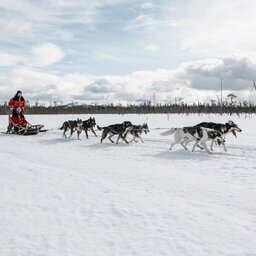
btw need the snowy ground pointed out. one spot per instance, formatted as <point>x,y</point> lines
<point>67,197</point>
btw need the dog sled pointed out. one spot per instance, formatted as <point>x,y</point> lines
<point>28,129</point>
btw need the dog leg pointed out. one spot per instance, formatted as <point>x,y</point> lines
<point>172,144</point>
<point>199,146</point>
<point>194,146</point>
<point>64,132</point>
<point>94,133</point>
<point>205,147</point>
<point>125,135</point>
<point>118,138</point>
<point>104,135</point>
<point>109,137</point>
<point>124,138</point>
<point>183,146</point>
<point>185,142</point>
<point>86,133</point>
<point>133,139</point>
<point>121,136</point>
<point>212,145</point>
<point>224,146</point>
<point>71,132</point>
<point>140,139</point>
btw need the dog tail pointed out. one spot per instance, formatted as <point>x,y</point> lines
<point>62,127</point>
<point>100,128</point>
<point>169,132</point>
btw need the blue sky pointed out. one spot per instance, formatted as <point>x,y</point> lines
<point>116,50</point>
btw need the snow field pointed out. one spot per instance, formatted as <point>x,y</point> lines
<point>68,197</point>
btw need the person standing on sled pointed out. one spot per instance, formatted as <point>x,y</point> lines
<point>17,104</point>
<point>17,101</point>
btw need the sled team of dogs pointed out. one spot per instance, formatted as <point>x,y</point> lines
<point>122,130</point>
<point>79,126</point>
<point>199,134</point>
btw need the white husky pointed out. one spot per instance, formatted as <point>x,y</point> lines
<point>198,134</point>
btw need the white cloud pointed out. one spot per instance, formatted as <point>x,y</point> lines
<point>152,48</point>
<point>109,56</point>
<point>16,26</point>
<point>83,12</point>
<point>177,33</point>
<point>10,60</point>
<point>237,71</point>
<point>149,22</point>
<point>147,5</point>
<point>64,34</point>
<point>193,81</point>
<point>190,30</point>
<point>45,55</point>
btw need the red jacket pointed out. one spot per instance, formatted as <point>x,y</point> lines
<point>16,102</point>
<point>18,120</point>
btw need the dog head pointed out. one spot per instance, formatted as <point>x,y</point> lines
<point>92,121</point>
<point>79,123</point>
<point>145,128</point>
<point>233,128</point>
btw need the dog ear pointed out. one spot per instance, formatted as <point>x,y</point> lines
<point>230,122</point>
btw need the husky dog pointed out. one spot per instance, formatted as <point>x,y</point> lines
<point>89,125</point>
<point>194,133</point>
<point>212,135</point>
<point>75,125</point>
<point>136,131</point>
<point>229,127</point>
<point>115,129</point>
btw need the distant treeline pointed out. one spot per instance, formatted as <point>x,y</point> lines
<point>134,109</point>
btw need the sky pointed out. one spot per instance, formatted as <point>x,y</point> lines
<point>120,51</point>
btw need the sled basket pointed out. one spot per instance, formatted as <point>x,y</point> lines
<point>26,130</point>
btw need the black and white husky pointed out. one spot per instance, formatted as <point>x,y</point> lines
<point>224,129</point>
<point>88,125</point>
<point>115,129</point>
<point>136,131</point>
<point>194,133</point>
<point>72,125</point>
